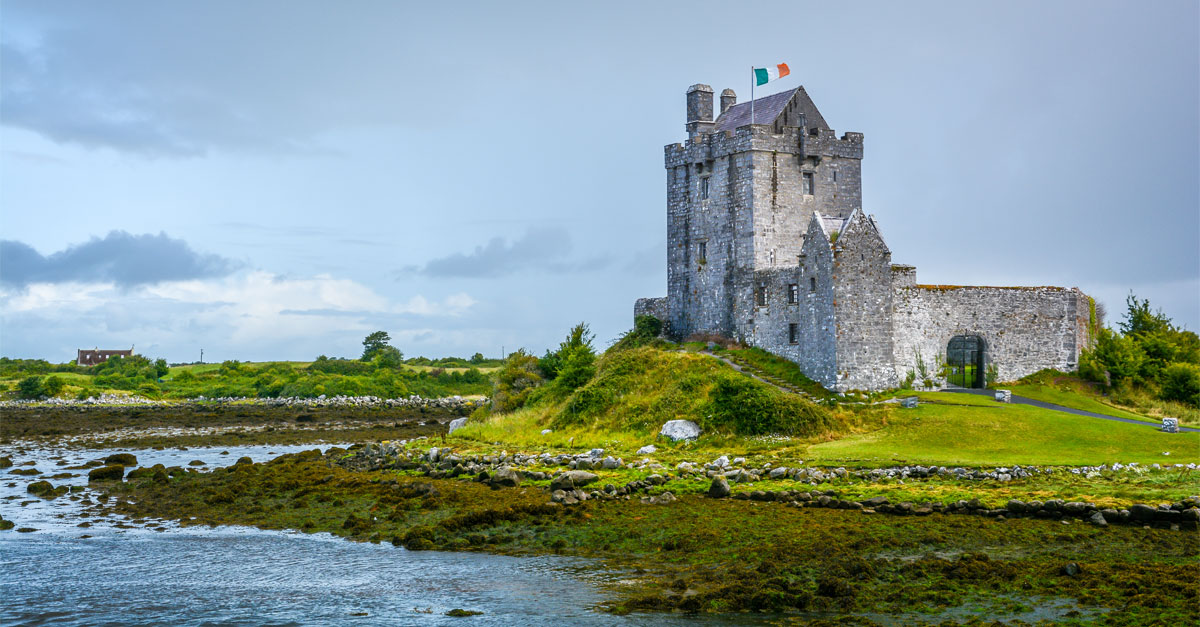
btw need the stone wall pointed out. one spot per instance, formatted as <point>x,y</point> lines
<point>1025,329</point>
<point>862,279</point>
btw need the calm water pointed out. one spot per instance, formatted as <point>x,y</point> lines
<point>241,576</point>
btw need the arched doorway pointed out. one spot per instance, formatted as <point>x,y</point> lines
<point>965,361</point>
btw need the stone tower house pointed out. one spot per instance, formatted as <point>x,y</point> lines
<point>767,244</point>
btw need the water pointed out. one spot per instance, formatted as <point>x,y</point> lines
<point>244,576</point>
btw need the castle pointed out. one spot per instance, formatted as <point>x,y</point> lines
<point>767,244</point>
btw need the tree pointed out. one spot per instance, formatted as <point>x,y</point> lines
<point>477,358</point>
<point>1181,382</point>
<point>161,368</point>
<point>374,343</point>
<point>388,357</point>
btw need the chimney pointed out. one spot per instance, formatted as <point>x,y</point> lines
<point>728,99</point>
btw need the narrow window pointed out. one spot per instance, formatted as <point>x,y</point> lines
<point>835,176</point>
<point>793,333</point>
<point>704,188</point>
<point>772,257</point>
<point>793,294</point>
<point>703,252</point>
<point>812,283</point>
<point>760,295</point>
<point>808,183</point>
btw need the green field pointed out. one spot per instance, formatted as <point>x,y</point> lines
<point>960,429</point>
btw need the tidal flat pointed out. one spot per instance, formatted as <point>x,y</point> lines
<point>697,554</point>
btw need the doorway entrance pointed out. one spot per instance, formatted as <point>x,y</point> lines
<point>965,361</point>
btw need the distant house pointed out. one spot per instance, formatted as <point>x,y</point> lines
<point>97,356</point>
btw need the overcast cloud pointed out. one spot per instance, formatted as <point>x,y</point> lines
<point>119,258</point>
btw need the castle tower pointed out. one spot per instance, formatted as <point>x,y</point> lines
<point>739,198</point>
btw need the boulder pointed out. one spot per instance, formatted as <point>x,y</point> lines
<point>611,464</point>
<point>677,430</point>
<point>1098,519</point>
<point>1141,513</point>
<point>648,449</point>
<point>547,431</point>
<point>506,478</point>
<point>456,424</point>
<point>1016,506</point>
<point>777,473</point>
<point>433,454</point>
<point>719,488</point>
<point>121,459</point>
<point>107,473</point>
<point>40,487</point>
<point>572,479</point>
<point>665,498</point>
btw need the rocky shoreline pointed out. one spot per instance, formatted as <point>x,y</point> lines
<point>113,400</point>
<point>569,480</point>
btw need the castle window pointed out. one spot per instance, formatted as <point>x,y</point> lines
<point>772,257</point>
<point>793,294</point>
<point>793,333</point>
<point>704,188</point>
<point>760,295</point>
<point>703,253</point>
<point>808,183</point>
<point>812,283</point>
<point>835,176</point>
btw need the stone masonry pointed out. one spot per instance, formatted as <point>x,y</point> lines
<point>767,244</point>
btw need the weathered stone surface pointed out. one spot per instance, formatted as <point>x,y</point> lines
<point>457,423</point>
<point>107,473</point>
<point>647,450</point>
<point>572,479</point>
<point>719,488</point>
<point>680,430</point>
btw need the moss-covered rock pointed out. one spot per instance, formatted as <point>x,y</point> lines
<point>5,525</point>
<point>457,612</point>
<point>114,472</point>
<point>5,462</point>
<point>122,459</point>
<point>40,488</point>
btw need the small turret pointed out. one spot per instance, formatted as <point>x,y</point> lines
<point>728,99</point>
<point>699,110</point>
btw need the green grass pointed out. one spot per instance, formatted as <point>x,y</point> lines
<point>979,434</point>
<point>1073,399</point>
<point>778,368</point>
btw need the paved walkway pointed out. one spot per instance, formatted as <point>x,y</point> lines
<point>1021,400</point>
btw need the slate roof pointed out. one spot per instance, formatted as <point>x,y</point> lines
<point>767,109</point>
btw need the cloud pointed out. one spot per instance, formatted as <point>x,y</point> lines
<point>119,258</point>
<point>544,249</point>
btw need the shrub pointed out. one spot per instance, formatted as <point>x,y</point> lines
<point>751,408</point>
<point>53,385</point>
<point>30,387</point>
<point>1181,382</point>
<point>515,381</point>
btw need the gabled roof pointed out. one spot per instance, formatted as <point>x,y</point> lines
<point>768,109</point>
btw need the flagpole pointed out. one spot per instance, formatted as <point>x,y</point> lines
<point>752,81</point>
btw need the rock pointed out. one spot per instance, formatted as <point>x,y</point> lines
<point>875,501</point>
<point>107,473</point>
<point>121,459</point>
<point>1098,519</point>
<point>777,473</point>
<point>611,464</point>
<point>1070,569</point>
<point>40,487</point>
<point>719,488</point>
<point>458,612</point>
<point>1015,506</point>
<point>595,453</point>
<point>547,431</point>
<point>1141,513</point>
<point>456,424</point>
<point>648,449</point>
<point>243,461</point>
<point>909,402</point>
<point>5,462</point>
<point>506,478</point>
<point>666,498</point>
<point>677,430</point>
<point>583,464</point>
<point>433,454</point>
<point>572,479</point>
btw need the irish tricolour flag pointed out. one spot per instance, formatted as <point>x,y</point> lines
<point>764,75</point>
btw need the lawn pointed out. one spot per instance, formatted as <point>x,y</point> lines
<point>1074,400</point>
<point>971,433</point>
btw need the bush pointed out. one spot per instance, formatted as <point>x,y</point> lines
<point>53,385</point>
<point>646,329</point>
<point>30,387</point>
<point>515,381</point>
<point>751,408</point>
<point>1181,382</point>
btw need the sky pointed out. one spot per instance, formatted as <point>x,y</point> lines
<point>276,179</point>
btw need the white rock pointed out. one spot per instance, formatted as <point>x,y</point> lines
<point>680,430</point>
<point>648,449</point>
<point>547,431</point>
<point>457,423</point>
<point>433,454</point>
